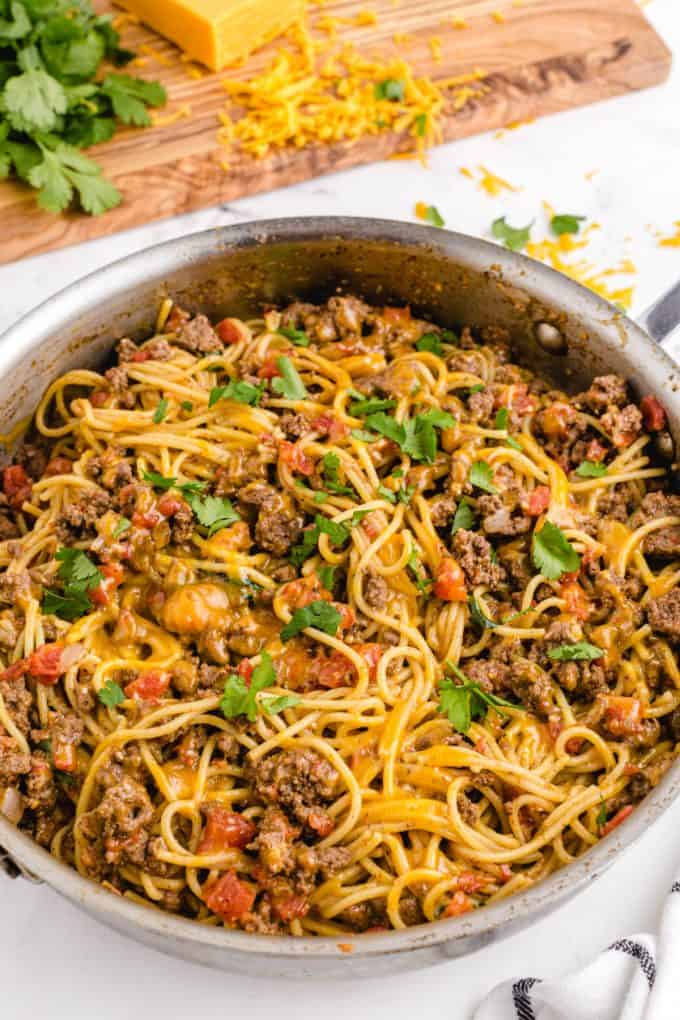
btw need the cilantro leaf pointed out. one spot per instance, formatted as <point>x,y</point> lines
<point>464,518</point>
<point>465,701</point>
<point>337,532</point>
<point>272,706</point>
<point>161,411</point>
<point>591,469</point>
<point>514,238</point>
<point>601,816</point>
<point>387,426</point>
<point>238,698</point>
<point>432,216</point>
<point>61,171</point>
<point>72,52</point>
<point>161,482</point>
<point>130,97</point>
<point>566,224</point>
<point>363,436</point>
<point>431,343</point>
<point>481,476</point>
<point>111,694</point>
<point>212,512</point>
<point>478,616</point>
<point>79,576</point>
<point>326,575</point>
<point>34,101</point>
<point>386,493</point>
<point>319,614</point>
<point>371,405</point>
<point>551,552</point>
<point>423,582</point>
<point>296,336</point>
<point>580,651</point>
<point>16,26</point>
<point>502,416</point>
<point>123,525</point>
<point>391,89</point>
<point>288,384</point>
<point>238,390</point>
<point>331,466</point>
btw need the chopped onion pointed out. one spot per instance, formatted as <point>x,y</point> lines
<point>11,804</point>
<point>71,655</point>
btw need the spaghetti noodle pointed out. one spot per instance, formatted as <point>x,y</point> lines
<point>333,620</point>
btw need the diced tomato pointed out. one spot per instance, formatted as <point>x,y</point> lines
<point>229,897</point>
<point>140,356</point>
<point>229,331</point>
<point>397,315</point>
<point>506,872</point>
<point>64,756</point>
<point>331,671</point>
<point>57,466</point>
<point>298,594</point>
<point>346,615</point>
<point>269,367</point>
<point>653,414</point>
<point>245,669</point>
<point>175,319</point>
<point>555,420</point>
<point>372,653</point>
<point>288,908</point>
<point>595,451</point>
<point>573,746</point>
<point>619,817</point>
<point>99,398</point>
<point>624,715</point>
<point>321,822</point>
<point>14,671</point>
<point>292,455</point>
<point>330,426</point>
<point>113,576</point>
<point>169,504</point>
<point>469,882</point>
<point>148,686</point>
<point>449,582</point>
<point>575,598</point>
<point>16,485</point>
<point>147,519</point>
<point>539,501</point>
<point>520,400</point>
<point>225,830</point>
<point>45,663</point>
<point>458,904</point>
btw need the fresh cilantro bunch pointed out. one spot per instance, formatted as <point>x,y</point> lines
<point>54,102</point>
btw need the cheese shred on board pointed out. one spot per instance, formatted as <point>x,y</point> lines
<point>316,92</point>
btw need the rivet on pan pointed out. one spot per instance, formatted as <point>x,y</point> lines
<point>665,447</point>
<point>550,338</point>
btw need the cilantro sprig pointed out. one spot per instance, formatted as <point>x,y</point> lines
<point>466,701</point>
<point>111,694</point>
<point>579,651</point>
<point>211,512</point>
<point>54,103</point>
<point>552,553</point>
<point>239,390</point>
<point>240,698</point>
<point>321,615</point>
<point>417,436</point>
<point>79,576</point>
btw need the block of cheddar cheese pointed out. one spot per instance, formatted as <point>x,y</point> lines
<point>217,32</point>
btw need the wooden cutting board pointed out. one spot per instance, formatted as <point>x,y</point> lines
<point>540,56</point>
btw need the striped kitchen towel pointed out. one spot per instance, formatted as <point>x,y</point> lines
<point>634,979</point>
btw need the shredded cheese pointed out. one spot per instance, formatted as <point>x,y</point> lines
<point>673,241</point>
<point>553,251</point>
<point>314,92</point>
<point>488,182</point>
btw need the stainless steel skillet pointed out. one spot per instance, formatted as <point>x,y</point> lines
<point>559,328</point>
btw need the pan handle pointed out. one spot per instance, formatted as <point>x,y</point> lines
<point>662,317</point>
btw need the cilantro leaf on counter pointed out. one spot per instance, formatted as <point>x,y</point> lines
<point>53,101</point>
<point>565,223</point>
<point>321,615</point>
<point>514,238</point>
<point>432,216</point>
<point>551,552</point>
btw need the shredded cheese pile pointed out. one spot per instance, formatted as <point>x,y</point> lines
<point>553,251</point>
<point>314,93</point>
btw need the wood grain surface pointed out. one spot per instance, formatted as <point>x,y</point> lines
<point>542,57</point>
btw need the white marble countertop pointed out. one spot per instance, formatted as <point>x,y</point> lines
<point>56,963</point>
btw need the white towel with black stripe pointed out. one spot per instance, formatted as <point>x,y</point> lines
<point>634,979</point>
